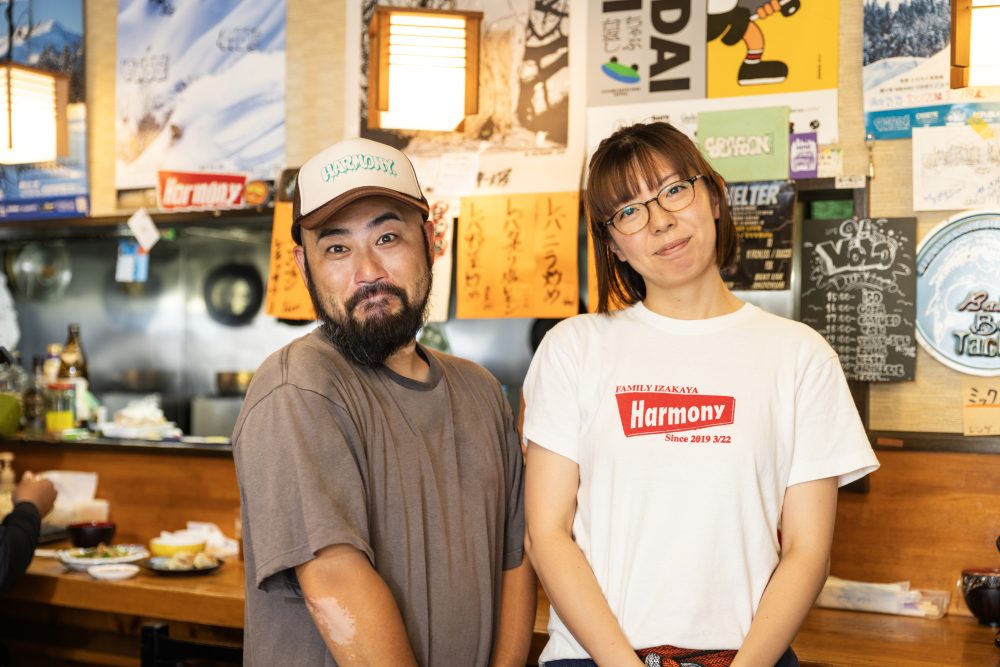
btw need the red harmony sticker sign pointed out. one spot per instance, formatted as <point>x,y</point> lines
<point>186,191</point>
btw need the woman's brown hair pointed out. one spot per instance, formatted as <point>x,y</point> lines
<point>626,161</point>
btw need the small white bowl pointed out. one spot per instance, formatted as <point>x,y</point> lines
<point>113,572</point>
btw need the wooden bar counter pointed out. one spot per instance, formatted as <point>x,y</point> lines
<point>829,637</point>
<point>210,599</point>
<point>56,617</point>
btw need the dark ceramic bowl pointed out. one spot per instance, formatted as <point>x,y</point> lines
<point>981,590</point>
<point>91,533</point>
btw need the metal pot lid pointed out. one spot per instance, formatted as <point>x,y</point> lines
<point>41,272</point>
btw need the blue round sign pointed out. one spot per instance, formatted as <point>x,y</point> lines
<point>958,292</point>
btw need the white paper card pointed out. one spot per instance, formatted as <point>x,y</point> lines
<point>459,173</point>
<point>144,229</point>
<point>956,167</point>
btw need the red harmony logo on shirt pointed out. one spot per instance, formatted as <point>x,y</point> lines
<point>646,412</point>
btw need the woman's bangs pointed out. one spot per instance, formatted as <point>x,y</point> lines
<point>624,173</point>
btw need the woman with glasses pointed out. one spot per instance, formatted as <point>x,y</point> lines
<point>674,432</point>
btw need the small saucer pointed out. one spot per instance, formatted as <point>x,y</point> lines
<point>113,572</point>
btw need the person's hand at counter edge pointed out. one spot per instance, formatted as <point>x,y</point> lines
<point>38,491</point>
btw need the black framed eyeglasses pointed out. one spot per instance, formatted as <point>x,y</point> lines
<point>675,196</point>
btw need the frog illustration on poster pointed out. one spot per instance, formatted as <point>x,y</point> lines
<point>735,21</point>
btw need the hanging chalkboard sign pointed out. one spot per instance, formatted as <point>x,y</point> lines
<point>859,291</point>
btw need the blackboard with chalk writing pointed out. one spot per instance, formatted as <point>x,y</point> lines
<point>859,292</point>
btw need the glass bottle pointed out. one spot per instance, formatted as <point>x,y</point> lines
<point>53,361</point>
<point>73,369</point>
<point>74,359</point>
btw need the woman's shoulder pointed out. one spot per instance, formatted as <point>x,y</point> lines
<point>580,328</point>
<point>791,333</point>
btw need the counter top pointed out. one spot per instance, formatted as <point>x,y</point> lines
<point>838,638</point>
<point>842,638</point>
<point>829,637</point>
<point>124,445</point>
<point>209,599</point>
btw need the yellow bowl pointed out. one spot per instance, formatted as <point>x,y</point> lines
<point>158,548</point>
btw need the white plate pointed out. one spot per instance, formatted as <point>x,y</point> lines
<point>77,559</point>
<point>151,432</point>
<point>113,572</point>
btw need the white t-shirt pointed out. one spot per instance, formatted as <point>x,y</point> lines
<point>687,433</point>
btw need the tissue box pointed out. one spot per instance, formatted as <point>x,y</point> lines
<point>75,501</point>
<point>894,598</point>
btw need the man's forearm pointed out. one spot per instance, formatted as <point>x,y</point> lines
<point>517,616</point>
<point>354,610</point>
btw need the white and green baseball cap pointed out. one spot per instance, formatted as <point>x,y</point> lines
<point>347,171</point>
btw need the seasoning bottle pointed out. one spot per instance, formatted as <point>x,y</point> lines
<point>53,361</point>
<point>73,369</point>
<point>7,479</point>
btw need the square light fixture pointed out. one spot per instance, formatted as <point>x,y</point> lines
<point>33,124</point>
<point>423,68</point>
<point>975,49</point>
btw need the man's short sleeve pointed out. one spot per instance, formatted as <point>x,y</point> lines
<point>552,413</point>
<point>301,475</point>
<point>830,440</point>
<point>513,549</point>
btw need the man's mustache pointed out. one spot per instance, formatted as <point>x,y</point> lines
<point>376,289</point>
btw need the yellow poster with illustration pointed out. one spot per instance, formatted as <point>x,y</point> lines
<point>758,47</point>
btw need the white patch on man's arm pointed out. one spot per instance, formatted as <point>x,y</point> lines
<point>334,620</point>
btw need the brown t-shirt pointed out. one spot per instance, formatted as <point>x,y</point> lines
<point>425,478</point>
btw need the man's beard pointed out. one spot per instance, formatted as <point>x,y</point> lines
<point>372,340</point>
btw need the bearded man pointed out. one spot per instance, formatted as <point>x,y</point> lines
<point>381,481</point>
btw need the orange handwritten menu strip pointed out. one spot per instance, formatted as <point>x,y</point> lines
<point>517,256</point>
<point>287,296</point>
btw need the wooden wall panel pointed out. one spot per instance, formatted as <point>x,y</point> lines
<point>314,106</point>
<point>100,39</point>
<point>926,517</point>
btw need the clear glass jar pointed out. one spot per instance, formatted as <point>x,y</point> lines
<point>60,407</point>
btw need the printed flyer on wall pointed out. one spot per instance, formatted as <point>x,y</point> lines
<point>746,145</point>
<point>200,87</point>
<point>524,130</point>
<point>689,57</point>
<point>49,36</point>
<point>907,59</point>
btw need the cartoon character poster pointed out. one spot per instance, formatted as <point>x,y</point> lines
<point>523,131</point>
<point>48,35</point>
<point>200,87</point>
<point>642,50</point>
<point>766,46</point>
<point>907,61</point>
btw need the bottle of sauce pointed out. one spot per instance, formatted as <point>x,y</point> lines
<point>7,477</point>
<point>73,369</point>
<point>53,361</point>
